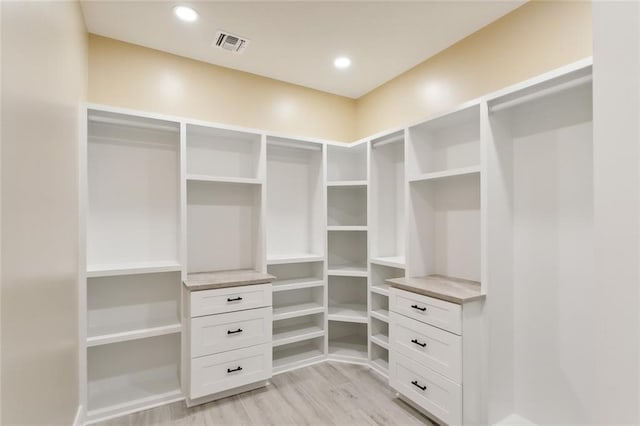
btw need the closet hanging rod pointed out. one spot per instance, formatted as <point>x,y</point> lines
<point>393,139</point>
<point>139,124</point>
<point>542,93</point>
<point>286,144</point>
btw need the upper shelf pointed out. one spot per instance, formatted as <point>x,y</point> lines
<point>294,258</point>
<point>223,179</point>
<point>95,271</point>
<point>446,173</point>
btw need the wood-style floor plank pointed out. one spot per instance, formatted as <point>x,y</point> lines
<point>329,393</point>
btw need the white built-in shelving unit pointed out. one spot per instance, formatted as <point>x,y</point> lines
<point>347,251</point>
<point>444,209</point>
<point>133,263</point>
<point>296,250</point>
<point>387,212</point>
<point>166,197</point>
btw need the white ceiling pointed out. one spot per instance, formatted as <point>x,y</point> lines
<point>297,41</point>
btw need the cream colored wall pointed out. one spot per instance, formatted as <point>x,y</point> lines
<point>126,75</point>
<point>537,37</point>
<point>43,83</point>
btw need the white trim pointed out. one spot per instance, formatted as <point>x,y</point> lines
<point>78,420</point>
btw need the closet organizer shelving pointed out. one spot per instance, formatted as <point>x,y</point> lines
<point>333,222</point>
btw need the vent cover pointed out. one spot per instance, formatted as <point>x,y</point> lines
<point>230,42</point>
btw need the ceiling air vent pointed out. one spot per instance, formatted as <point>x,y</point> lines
<point>230,42</point>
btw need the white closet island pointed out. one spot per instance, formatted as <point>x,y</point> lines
<point>494,194</point>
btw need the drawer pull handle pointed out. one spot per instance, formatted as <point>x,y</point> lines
<point>416,384</point>
<point>230,370</point>
<point>234,299</point>
<point>234,331</point>
<point>418,343</point>
<point>419,308</point>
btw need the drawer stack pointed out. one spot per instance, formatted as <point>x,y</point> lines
<point>426,363</point>
<point>229,340</point>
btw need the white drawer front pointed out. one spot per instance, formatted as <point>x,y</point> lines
<point>427,345</point>
<point>227,370</point>
<point>207,302</point>
<point>224,332</point>
<point>435,394</point>
<point>439,313</point>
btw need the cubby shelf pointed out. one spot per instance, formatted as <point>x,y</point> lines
<point>294,258</point>
<point>297,310</point>
<point>348,271</point>
<point>348,347</point>
<point>123,336</point>
<point>132,268</point>
<point>381,340</point>
<point>223,179</point>
<point>296,283</point>
<point>296,333</point>
<point>347,183</point>
<point>462,171</point>
<point>348,312</point>
<point>391,261</point>
<point>346,228</point>
<point>294,355</point>
<point>381,314</point>
<point>381,365</point>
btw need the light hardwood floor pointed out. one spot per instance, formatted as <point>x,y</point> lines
<point>330,393</point>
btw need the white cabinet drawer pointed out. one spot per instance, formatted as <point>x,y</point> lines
<point>444,315</point>
<point>217,301</point>
<point>435,394</point>
<point>227,370</point>
<point>234,330</point>
<point>437,349</point>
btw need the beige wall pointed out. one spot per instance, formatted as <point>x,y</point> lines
<point>126,75</point>
<point>537,37</point>
<point>43,83</point>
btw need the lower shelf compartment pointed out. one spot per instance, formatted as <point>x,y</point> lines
<point>297,329</point>
<point>295,355</point>
<point>348,341</point>
<point>129,376</point>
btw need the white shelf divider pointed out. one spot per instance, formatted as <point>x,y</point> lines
<point>462,171</point>
<point>347,183</point>
<point>295,258</point>
<point>223,179</point>
<point>348,271</point>
<point>381,340</point>
<point>295,355</point>
<point>97,271</point>
<point>297,310</point>
<point>124,336</point>
<point>348,312</point>
<point>391,261</point>
<point>335,228</point>
<point>295,333</point>
<point>295,283</point>
<point>381,314</point>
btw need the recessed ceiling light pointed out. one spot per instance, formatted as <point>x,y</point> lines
<point>342,63</point>
<point>185,13</point>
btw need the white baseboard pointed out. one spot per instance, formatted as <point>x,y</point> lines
<point>79,419</point>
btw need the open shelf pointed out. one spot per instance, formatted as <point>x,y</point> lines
<point>444,227</point>
<point>133,172</point>
<point>347,299</point>
<point>397,262</point>
<point>347,183</point>
<point>346,228</point>
<point>222,153</point>
<point>348,341</point>
<point>445,144</point>
<point>297,329</point>
<point>132,375</point>
<point>295,202</point>
<point>380,359</point>
<point>387,192</point>
<point>379,276</point>
<point>294,258</point>
<point>380,333</point>
<point>222,226</point>
<point>127,307</point>
<point>297,303</point>
<point>292,276</point>
<point>347,163</point>
<point>96,271</point>
<point>447,173</point>
<point>347,206</point>
<point>223,179</point>
<point>296,355</point>
<point>347,253</point>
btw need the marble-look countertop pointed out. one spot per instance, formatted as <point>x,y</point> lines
<point>453,290</point>
<point>224,279</point>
